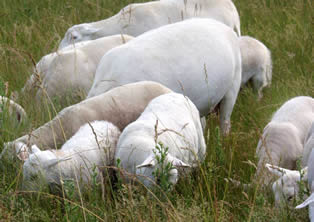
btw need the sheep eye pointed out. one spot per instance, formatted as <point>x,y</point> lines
<point>74,37</point>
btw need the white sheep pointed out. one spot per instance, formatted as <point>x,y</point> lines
<point>287,186</point>
<point>171,119</point>
<point>136,19</point>
<point>78,160</point>
<point>71,69</point>
<point>281,144</point>
<point>119,106</point>
<point>199,58</point>
<point>256,63</point>
<point>310,200</point>
<point>13,108</point>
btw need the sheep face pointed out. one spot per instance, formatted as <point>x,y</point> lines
<point>149,167</point>
<point>35,170</point>
<point>78,33</point>
<point>286,188</point>
<point>39,170</point>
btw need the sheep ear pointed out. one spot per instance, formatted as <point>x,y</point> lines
<point>22,151</point>
<point>278,171</point>
<point>176,162</point>
<point>308,201</point>
<point>149,162</point>
<point>55,161</point>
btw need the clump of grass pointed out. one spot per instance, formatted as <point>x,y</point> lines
<point>2,87</point>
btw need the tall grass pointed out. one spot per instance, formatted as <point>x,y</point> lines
<point>31,29</point>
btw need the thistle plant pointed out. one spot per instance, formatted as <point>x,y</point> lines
<point>162,172</point>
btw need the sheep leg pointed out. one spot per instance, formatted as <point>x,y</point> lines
<point>228,101</point>
<point>226,107</point>
<point>259,82</point>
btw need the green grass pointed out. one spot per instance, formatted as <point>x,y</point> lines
<point>31,29</point>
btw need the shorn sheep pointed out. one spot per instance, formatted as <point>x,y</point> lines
<point>7,105</point>
<point>136,19</point>
<point>256,64</point>
<point>171,119</point>
<point>120,106</point>
<point>209,77</point>
<point>288,184</point>
<point>281,145</point>
<point>282,141</point>
<point>71,69</point>
<point>78,160</point>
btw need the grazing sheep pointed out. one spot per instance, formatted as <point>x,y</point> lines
<point>256,63</point>
<point>171,119</point>
<point>136,19</point>
<point>71,69</point>
<point>283,138</point>
<point>93,145</point>
<point>310,199</point>
<point>199,58</point>
<point>119,106</point>
<point>287,186</point>
<point>12,108</point>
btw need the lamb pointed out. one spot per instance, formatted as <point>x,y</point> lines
<point>78,160</point>
<point>120,106</point>
<point>200,58</point>
<point>256,64</point>
<point>287,186</point>
<point>136,19</point>
<point>71,69</point>
<point>12,108</point>
<point>281,145</point>
<point>310,200</point>
<point>283,138</point>
<point>171,119</point>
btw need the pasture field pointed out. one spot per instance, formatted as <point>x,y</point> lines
<point>30,29</point>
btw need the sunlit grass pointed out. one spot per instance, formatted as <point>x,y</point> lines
<point>31,29</point>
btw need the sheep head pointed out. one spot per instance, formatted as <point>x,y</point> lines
<point>148,168</point>
<point>78,33</point>
<point>286,188</point>
<point>39,168</point>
